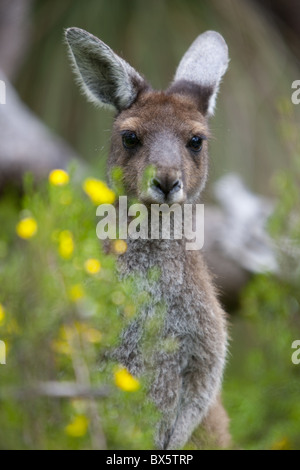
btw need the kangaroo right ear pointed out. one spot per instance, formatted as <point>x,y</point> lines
<point>201,69</point>
<point>105,78</point>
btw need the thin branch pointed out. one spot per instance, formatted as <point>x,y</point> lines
<point>68,390</point>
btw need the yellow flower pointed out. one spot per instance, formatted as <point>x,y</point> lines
<point>27,228</point>
<point>98,191</point>
<point>59,178</point>
<point>62,347</point>
<point>89,334</point>
<point>129,310</point>
<point>77,427</point>
<point>92,266</point>
<point>282,444</point>
<point>125,381</point>
<point>92,335</point>
<point>76,293</point>
<point>120,247</point>
<point>66,244</point>
<point>2,314</point>
<point>69,333</point>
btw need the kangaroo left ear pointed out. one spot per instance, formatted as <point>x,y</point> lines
<point>201,69</point>
<point>105,77</point>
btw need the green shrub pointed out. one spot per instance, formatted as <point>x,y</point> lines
<point>262,385</point>
<point>62,307</point>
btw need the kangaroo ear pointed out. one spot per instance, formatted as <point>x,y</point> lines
<point>201,69</point>
<point>105,77</point>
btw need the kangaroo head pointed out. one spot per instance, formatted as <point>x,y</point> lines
<point>164,131</point>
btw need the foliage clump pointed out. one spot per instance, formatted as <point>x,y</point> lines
<point>61,309</point>
<point>263,381</point>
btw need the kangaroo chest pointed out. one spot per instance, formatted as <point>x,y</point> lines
<point>163,274</point>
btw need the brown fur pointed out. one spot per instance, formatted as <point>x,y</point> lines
<point>177,119</point>
<point>182,303</point>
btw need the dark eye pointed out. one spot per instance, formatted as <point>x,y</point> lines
<point>130,140</point>
<point>195,143</point>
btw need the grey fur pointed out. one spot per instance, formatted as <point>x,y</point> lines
<point>186,378</point>
<point>105,78</point>
<point>205,63</point>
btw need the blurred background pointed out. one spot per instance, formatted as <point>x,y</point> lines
<point>263,40</point>
<point>46,124</point>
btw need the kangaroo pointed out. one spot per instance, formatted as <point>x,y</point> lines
<point>167,130</point>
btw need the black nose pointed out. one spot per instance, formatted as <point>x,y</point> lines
<point>166,185</point>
